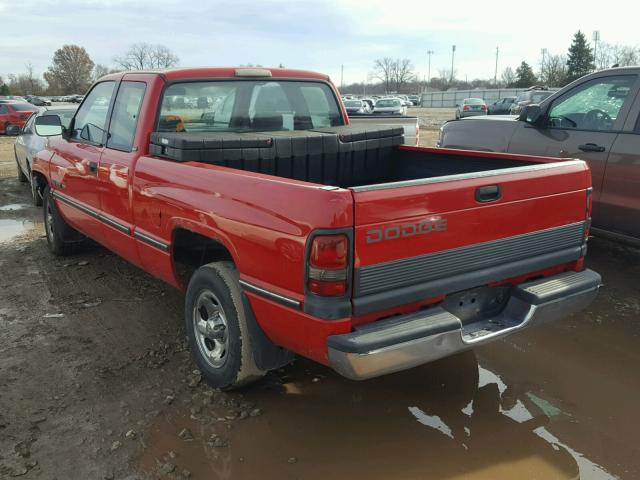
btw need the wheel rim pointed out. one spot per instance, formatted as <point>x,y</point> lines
<point>48,219</point>
<point>211,329</point>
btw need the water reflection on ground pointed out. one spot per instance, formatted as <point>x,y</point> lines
<point>449,419</point>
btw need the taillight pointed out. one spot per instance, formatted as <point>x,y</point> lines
<point>466,107</point>
<point>328,265</point>
<point>484,108</point>
<point>589,208</point>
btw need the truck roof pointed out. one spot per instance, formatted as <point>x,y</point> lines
<point>172,74</point>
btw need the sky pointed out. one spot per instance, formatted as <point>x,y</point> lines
<point>320,35</point>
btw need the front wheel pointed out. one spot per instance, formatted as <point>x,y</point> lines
<point>217,328</point>
<point>60,236</point>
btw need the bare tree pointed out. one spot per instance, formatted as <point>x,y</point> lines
<point>144,56</point>
<point>612,54</point>
<point>35,85</point>
<point>70,71</point>
<point>384,70</point>
<point>555,70</point>
<point>403,73</point>
<point>100,71</point>
<point>508,77</point>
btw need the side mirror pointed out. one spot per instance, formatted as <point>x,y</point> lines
<point>48,126</point>
<point>532,114</point>
<point>13,130</point>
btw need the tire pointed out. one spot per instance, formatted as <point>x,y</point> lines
<point>220,344</point>
<point>35,196</point>
<point>22,178</point>
<point>60,236</point>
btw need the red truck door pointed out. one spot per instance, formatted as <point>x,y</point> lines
<point>116,170</point>
<point>74,164</point>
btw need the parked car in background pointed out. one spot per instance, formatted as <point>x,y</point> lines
<point>471,107</point>
<point>405,100</point>
<point>389,106</point>
<point>77,99</point>
<point>502,106</point>
<point>415,100</point>
<point>29,144</point>
<point>13,116</point>
<point>596,119</point>
<point>38,101</point>
<point>370,102</point>
<point>532,95</point>
<point>12,99</point>
<point>356,107</point>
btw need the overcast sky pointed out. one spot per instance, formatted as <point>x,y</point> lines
<point>317,35</point>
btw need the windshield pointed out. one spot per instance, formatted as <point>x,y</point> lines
<point>23,107</point>
<point>388,103</point>
<point>248,106</point>
<point>352,103</point>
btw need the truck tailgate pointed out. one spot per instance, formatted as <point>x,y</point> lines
<point>420,239</point>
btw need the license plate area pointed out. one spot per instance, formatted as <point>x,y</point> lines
<point>477,304</point>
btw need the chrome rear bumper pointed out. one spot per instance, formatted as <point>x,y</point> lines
<point>406,341</point>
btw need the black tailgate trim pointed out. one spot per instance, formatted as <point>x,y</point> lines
<point>455,283</point>
<point>470,258</point>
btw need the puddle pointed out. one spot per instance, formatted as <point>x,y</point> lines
<point>12,207</point>
<point>10,228</point>
<point>449,419</point>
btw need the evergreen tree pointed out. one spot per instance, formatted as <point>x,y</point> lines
<point>4,89</point>
<point>524,76</point>
<point>580,59</point>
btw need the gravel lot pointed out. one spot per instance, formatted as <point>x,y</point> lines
<point>96,383</point>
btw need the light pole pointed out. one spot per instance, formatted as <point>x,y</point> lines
<point>596,39</point>
<point>341,76</point>
<point>544,57</point>
<point>453,55</point>
<point>426,83</point>
<point>495,73</point>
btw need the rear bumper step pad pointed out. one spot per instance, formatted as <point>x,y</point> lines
<point>406,341</point>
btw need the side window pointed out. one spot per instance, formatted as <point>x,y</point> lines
<point>594,105</point>
<point>91,119</point>
<point>124,119</point>
<point>3,108</point>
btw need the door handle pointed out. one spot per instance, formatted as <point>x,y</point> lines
<point>490,193</point>
<point>93,168</point>
<point>591,147</point>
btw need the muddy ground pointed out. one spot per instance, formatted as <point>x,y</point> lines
<point>96,383</point>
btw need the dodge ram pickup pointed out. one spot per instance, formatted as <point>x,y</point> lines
<point>292,232</point>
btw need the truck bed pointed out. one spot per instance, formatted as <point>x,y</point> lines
<point>344,156</point>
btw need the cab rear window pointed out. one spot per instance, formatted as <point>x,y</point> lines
<point>248,105</point>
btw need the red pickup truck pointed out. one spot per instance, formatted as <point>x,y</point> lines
<point>292,232</point>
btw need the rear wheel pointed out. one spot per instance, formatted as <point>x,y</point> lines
<point>60,236</point>
<point>217,328</point>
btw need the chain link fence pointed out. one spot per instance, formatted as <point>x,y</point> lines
<point>453,97</point>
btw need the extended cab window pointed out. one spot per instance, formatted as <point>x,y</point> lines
<point>594,105</point>
<point>91,119</point>
<point>124,119</point>
<point>247,105</point>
